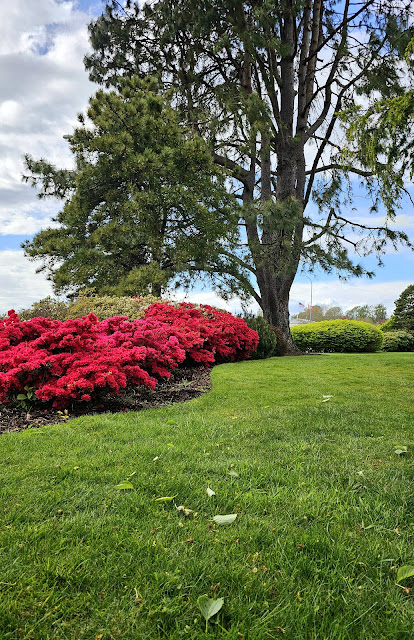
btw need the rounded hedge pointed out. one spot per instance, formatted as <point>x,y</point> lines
<point>398,341</point>
<point>338,336</point>
<point>267,338</point>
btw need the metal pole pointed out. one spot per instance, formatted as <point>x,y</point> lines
<point>311,303</point>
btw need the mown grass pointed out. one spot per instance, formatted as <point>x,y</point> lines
<point>325,510</point>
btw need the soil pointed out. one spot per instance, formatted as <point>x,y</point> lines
<point>184,384</point>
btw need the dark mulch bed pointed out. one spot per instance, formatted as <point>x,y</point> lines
<point>183,385</point>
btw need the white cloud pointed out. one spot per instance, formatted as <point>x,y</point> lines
<point>20,286</point>
<point>348,294</point>
<point>43,86</point>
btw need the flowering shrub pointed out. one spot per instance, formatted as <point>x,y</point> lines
<point>83,359</point>
<point>207,334</point>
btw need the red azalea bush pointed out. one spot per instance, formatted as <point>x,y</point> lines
<point>84,359</point>
<point>207,334</point>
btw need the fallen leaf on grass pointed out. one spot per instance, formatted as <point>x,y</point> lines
<point>326,398</point>
<point>233,474</point>
<point>404,572</point>
<point>401,451</point>
<point>124,485</point>
<point>209,606</point>
<point>210,492</point>
<point>165,499</point>
<point>185,511</point>
<point>226,519</point>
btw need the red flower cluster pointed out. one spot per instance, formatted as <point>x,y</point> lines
<point>84,359</point>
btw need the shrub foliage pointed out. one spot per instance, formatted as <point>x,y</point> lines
<point>388,325</point>
<point>398,341</point>
<point>267,337</point>
<point>84,359</point>
<point>338,336</point>
<point>103,307</point>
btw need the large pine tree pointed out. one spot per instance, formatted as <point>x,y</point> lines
<point>144,209</point>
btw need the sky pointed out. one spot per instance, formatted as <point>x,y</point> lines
<point>43,86</point>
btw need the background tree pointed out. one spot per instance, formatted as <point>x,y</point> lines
<point>333,313</point>
<point>368,313</point>
<point>317,313</point>
<point>264,82</point>
<point>145,205</point>
<point>403,317</point>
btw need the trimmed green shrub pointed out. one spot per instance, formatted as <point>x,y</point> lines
<point>338,336</point>
<point>105,307</point>
<point>267,337</point>
<point>398,341</point>
<point>388,325</point>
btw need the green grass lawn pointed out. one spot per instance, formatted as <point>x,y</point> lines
<point>325,510</point>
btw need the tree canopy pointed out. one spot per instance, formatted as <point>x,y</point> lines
<point>403,317</point>
<point>145,205</point>
<point>381,137</point>
<point>271,86</point>
<point>374,314</point>
<point>264,83</point>
<point>368,313</point>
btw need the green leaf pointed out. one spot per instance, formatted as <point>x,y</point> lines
<point>227,519</point>
<point>21,396</point>
<point>401,451</point>
<point>404,572</point>
<point>165,499</point>
<point>124,485</point>
<point>209,606</point>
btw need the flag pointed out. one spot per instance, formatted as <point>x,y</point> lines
<point>301,305</point>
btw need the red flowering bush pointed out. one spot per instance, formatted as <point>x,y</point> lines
<point>207,334</point>
<point>83,359</point>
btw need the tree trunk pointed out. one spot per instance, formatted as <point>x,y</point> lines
<point>278,257</point>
